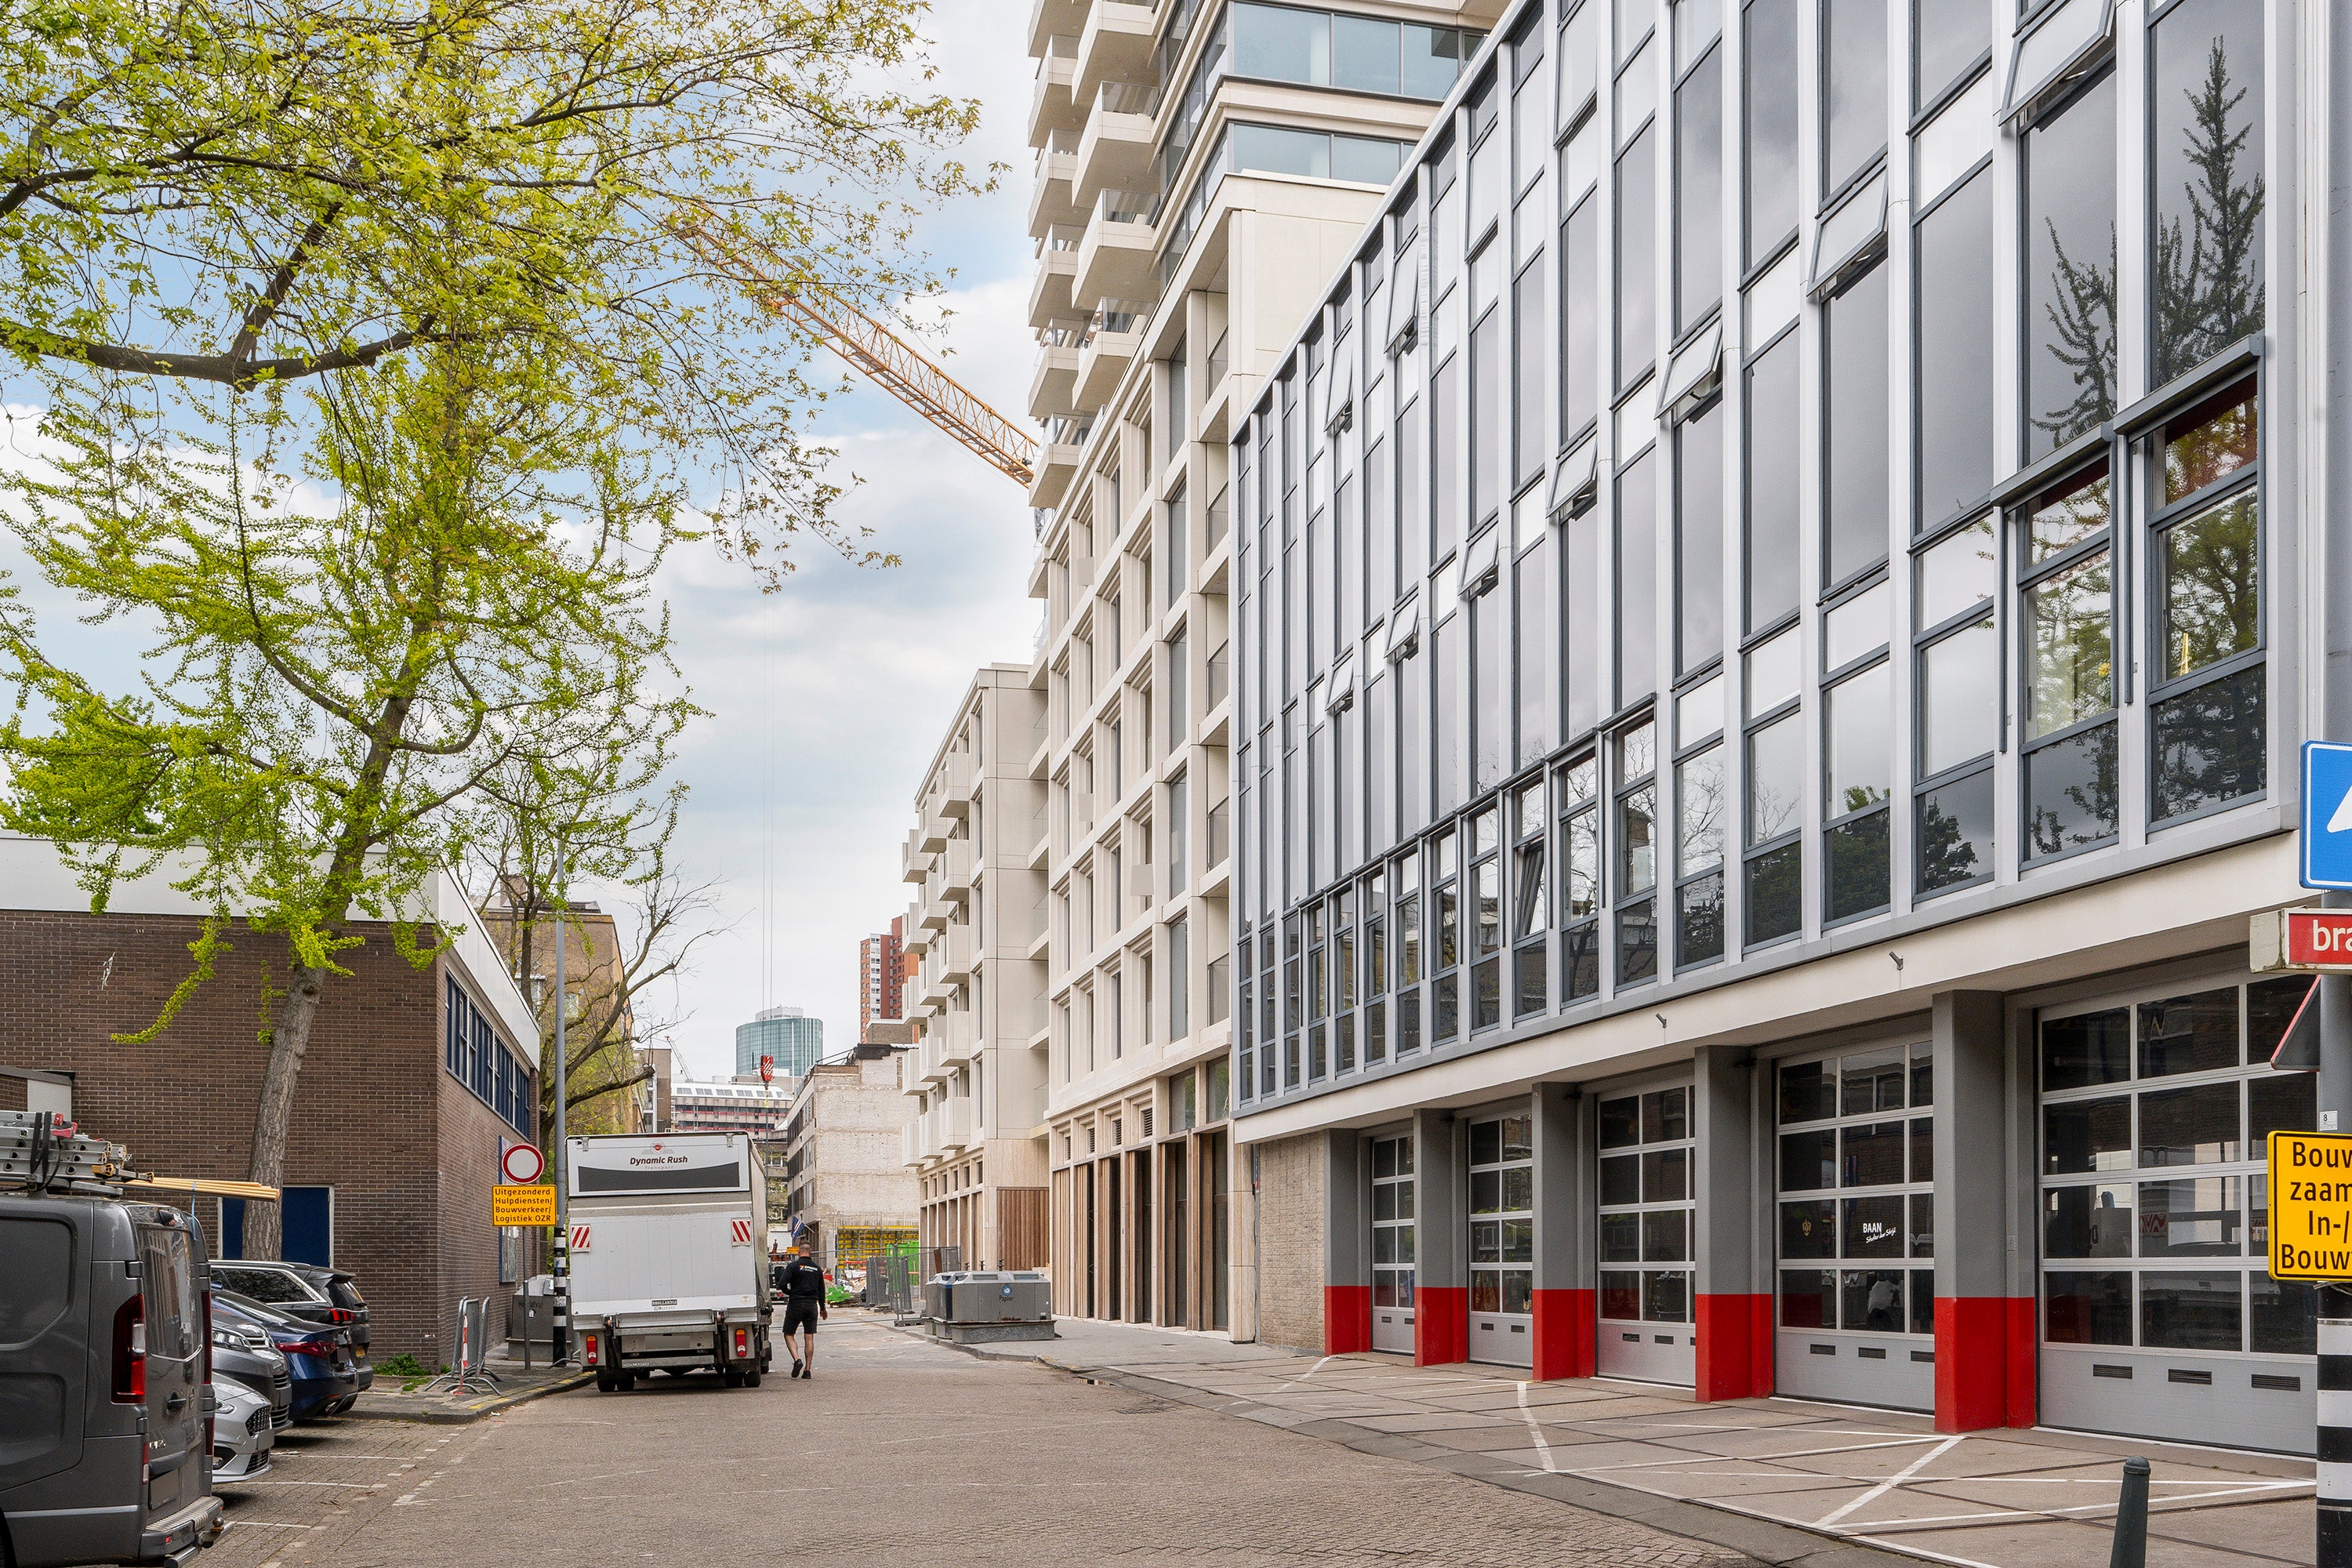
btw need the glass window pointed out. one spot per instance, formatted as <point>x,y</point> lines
<point>1776,763</point>
<point>1699,540</point>
<point>1954,575</point>
<point>1856,434</point>
<point>1769,39</point>
<point>1858,626</point>
<point>1637,580</point>
<point>1947,37</point>
<point>2070,269</point>
<point>1776,672</point>
<point>1862,1149</point>
<point>2071,676</point>
<point>1854,88</point>
<point>1959,699</point>
<point>1637,329</point>
<point>1433,57</point>
<point>1364,54</point>
<point>1579,330</point>
<point>1647,1207</point>
<point>1860,751</point>
<point>1580,62</point>
<point>1282,44</point>
<point>1952,292</point>
<point>2206,98</point>
<point>1772,454</point>
<point>1698,188</point>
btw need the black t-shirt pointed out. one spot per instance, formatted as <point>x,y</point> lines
<point>801,1280</point>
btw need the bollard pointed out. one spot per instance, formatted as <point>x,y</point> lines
<point>2130,1549</point>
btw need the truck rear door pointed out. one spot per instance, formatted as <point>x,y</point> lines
<point>44,1343</point>
<point>173,1368</point>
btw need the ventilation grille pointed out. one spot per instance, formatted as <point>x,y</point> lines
<point>1146,1122</point>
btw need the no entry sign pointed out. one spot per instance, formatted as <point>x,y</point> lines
<point>2301,939</point>
<point>522,1163</point>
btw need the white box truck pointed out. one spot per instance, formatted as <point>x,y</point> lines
<point>669,1255</point>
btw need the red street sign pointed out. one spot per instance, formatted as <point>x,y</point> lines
<point>767,1070</point>
<point>522,1163</point>
<point>2300,939</point>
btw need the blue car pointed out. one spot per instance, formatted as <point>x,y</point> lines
<point>319,1359</point>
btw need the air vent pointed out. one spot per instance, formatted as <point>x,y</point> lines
<point>2099,1370</point>
<point>1871,1352</point>
<point>1631,1339</point>
<point>2182,1375</point>
<point>1664,1339</point>
<point>1115,1130</point>
<point>1146,1122</point>
<point>2273,1381</point>
<point>1926,1356</point>
<point>1825,1349</point>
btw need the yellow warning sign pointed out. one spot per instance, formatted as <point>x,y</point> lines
<point>523,1205</point>
<point>2311,1205</point>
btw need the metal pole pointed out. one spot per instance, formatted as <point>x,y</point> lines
<point>2130,1548</point>
<point>563,1161</point>
<point>2332,247</point>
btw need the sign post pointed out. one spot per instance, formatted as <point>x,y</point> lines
<point>2325,855</point>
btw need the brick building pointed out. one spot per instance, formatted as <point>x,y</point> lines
<point>882,976</point>
<point>392,1153</point>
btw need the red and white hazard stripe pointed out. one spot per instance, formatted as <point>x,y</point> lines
<point>742,1233</point>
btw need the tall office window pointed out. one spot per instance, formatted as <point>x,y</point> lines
<point>1579,880</point>
<point>1953,378</point>
<point>1637,580</point>
<point>1769,39</point>
<point>2070,268</point>
<point>2208,199</point>
<point>2066,586</point>
<point>1855,427</point>
<point>1953,581</point>
<point>1698,161</point>
<point>1634,831</point>
<point>1772,456</point>
<point>1853,88</point>
<point>1698,539</point>
<point>1699,816</point>
<point>1637,228</point>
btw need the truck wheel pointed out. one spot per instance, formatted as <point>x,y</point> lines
<point>628,1381</point>
<point>752,1377</point>
<point>605,1383</point>
<point>732,1376</point>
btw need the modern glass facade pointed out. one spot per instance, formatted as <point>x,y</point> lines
<point>1773,471</point>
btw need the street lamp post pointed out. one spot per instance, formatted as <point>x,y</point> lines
<point>563,1160</point>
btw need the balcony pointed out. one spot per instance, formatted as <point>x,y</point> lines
<point>958,777</point>
<point>918,940</point>
<point>915,862</point>
<point>910,1141</point>
<point>1057,459</point>
<point>932,835</point>
<point>954,1124</point>
<point>1114,46</point>
<point>934,917</point>
<point>1053,385</point>
<point>1050,304</point>
<point>1055,22</point>
<point>1115,256</point>
<point>1104,361</point>
<point>955,955</point>
<point>955,869</point>
<point>1053,198</point>
<point>1052,105</point>
<point>1115,149</point>
<point>1221,832</point>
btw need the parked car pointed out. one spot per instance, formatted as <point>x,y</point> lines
<point>242,1435</point>
<point>325,1378</point>
<point>242,1354</point>
<point>103,1455</point>
<point>301,1290</point>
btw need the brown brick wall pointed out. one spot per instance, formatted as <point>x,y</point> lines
<point>409,1150</point>
<point>1290,1242</point>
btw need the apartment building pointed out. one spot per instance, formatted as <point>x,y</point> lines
<point>841,1156</point>
<point>1203,170</point>
<point>881,977</point>
<point>1772,653</point>
<point>976,1139</point>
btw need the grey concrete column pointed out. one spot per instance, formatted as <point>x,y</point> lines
<point>1733,1306</point>
<point>1440,1293</point>
<point>1347,1242</point>
<point>1565,1244</point>
<point>1979,1354</point>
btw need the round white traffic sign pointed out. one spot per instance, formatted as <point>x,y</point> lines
<point>522,1163</point>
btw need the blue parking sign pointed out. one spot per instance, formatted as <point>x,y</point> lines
<point>2327,814</point>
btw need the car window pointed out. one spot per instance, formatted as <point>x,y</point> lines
<point>265,1316</point>
<point>169,1284</point>
<point>264,1284</point>
<point>38,1282</point>
<point>344,1291</point>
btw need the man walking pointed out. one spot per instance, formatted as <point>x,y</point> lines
<point>804,1286</point>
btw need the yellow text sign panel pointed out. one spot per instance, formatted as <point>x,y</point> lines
<point>2311,1205</point>
<point>523,1205</point>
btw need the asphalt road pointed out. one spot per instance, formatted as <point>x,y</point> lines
<point>897,1451</point>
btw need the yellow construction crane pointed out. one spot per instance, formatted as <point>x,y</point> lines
<point>869,346</point>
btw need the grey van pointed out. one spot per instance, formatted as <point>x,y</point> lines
<point>104,1358</point>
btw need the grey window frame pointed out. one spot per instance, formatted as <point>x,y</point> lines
<point>2021,576</point>
<point>1862,664</point>
<point>1924,784</point>
<point>1570,927</point>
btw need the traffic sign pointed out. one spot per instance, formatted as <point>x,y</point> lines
<point>523,1205</point>
<point>2327,814</point>
<point>522,1163</point>
<point>2311,1205</point>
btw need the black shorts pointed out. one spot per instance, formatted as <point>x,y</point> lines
<point>799,1315</point>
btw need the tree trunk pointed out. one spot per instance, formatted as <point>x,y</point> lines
<point>263,1222</point>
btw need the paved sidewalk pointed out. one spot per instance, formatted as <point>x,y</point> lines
<point>385,1402</point>
<point>2037,1499</point>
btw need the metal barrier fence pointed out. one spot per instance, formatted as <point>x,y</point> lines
<point>469,1348</point>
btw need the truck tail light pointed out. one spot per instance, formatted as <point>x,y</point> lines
<point>130,1351</point>
<point>588,1349</point>
<point>742,1344</point>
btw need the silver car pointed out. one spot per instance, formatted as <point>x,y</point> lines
<point>242,1435</point>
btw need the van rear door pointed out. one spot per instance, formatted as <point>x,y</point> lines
<point>44,1345</point>
<point>175,1339</point>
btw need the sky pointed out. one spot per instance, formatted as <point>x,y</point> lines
<point>827,699</point>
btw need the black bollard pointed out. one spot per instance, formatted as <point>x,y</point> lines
<point>2131,1519</point>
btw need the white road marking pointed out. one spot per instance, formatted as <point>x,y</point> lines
<point>1543,1449</point>
<point>1890,1482</point>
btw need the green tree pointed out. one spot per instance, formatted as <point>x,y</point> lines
<point>239,195</point>
<point>331,691</point>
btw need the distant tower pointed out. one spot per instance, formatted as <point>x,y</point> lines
<point>881,974</point>
<point>787,1034</point>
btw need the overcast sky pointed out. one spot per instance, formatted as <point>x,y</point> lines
<point>826,698</point>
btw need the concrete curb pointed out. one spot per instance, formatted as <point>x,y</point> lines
<point>444,1413</point>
